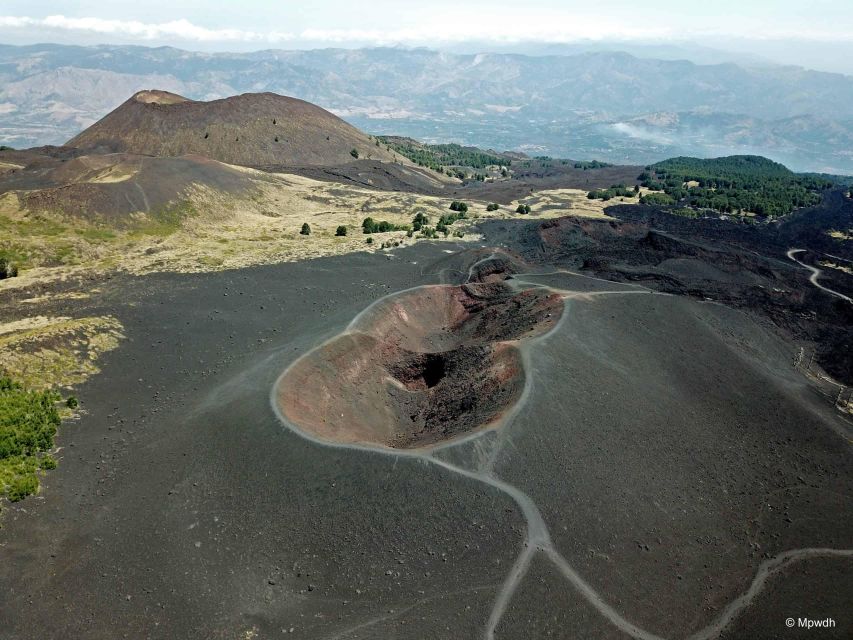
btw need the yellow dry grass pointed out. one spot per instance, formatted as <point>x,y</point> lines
<point>829,264</point>
<point>47,352</point>
<point>116,173</point>
<point>227,231</point>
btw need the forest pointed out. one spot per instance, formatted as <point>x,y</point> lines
<point>734,184</point>
<point>439,156</point>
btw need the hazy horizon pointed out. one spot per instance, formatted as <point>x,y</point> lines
<point>818,37</point>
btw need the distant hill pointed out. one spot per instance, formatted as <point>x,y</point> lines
<point>733,184</point>
<point>253,129</point>
<point>606,104</point>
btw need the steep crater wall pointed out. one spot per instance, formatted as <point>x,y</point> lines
<point>419,368</point>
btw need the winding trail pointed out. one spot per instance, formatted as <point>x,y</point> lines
<point>815,275</point>
<point>765,570</point>
<point>537,537</point>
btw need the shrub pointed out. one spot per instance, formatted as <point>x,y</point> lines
<point>370,241</point>
<point>7,269</point>
<point>22,486</point>
<point>354,153</point>
<point>306,229</point>
<point>523,209</point>
<point>461,207</point>
<point>657,199</point>
<point>47,462</point>
<point>369,225</point>
<point>72,402</point>
<point>419,221</point>
<point>341,231</point>
<point>492,206</point>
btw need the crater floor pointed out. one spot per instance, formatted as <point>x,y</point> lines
<point>420,367</point>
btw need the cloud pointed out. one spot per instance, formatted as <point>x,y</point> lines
<point>460,29</point>
<point>175,29</point>
<point>467,24</point>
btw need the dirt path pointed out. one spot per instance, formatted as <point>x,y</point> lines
<point>815,275</point>
<point>537,536</point>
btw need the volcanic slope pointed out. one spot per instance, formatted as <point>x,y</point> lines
<point>108,187</point>
<point>252,129</point>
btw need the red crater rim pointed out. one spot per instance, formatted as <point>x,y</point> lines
<point>419,368</point>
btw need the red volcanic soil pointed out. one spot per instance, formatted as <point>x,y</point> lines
<point>419,368</point>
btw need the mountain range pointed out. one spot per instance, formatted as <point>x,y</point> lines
<point>607,105</point>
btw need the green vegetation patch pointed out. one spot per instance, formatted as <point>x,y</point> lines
<point>460,212</point>
<point>28,423</point>
<point>369,225</point>
<point>96,234</point>
<point>167,220</point>
<point>591,164</point>
<point>613,192</point>
<point>439,156</point>
<point>657,199</point>
<point>175,212</point>
<point>33,225</point>
<point>734,184</point>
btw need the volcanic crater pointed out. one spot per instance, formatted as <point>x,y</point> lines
<point>419,368</point>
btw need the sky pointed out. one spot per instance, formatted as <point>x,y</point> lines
<point>790,31</point>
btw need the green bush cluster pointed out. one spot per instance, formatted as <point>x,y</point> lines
<point>461,207</point>
<point>369,225</point>
<point>613,192</point>
<point>523,209</point>
<point>492,206</point>
<point>341,230</point>
<point>28,423</point>
<point>305,230</point>
<point>420,220</point>
<point>459,213</point>
<point>657,199</point>
<point>592,164</point>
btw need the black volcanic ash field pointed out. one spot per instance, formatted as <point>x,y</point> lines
<point>663,452</point>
